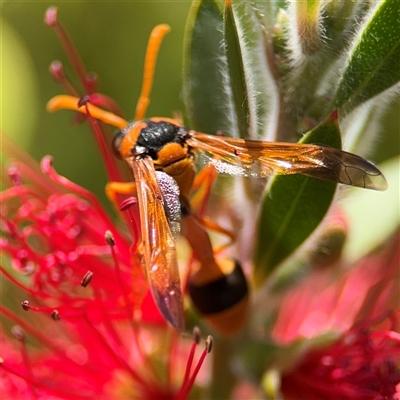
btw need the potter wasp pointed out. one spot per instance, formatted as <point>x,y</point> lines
<point>161,152</point>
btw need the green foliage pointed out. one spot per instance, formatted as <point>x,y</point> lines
<point>275,71</point>
<point>226,71</point>
<point>202,73</point>
<point>292,209</point>
<point>373,64</point>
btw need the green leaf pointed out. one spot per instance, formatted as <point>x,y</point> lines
<point>293,207</point>
<point>373,65</point>
<point>370,212</point>
<point>309,26</point>
<point>249,42</point>
<point>236,73</point>
<point>228,85</point>
<point>205,80</point>
<point>267,11</point>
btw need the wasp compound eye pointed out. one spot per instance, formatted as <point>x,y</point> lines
<point>116,142</point>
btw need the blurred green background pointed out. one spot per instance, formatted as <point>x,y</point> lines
<point>111,37</point>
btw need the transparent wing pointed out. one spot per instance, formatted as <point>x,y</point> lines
<point>159,241</point>
<point>261,159</point>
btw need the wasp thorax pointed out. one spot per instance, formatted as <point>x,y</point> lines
<point>155,135</point>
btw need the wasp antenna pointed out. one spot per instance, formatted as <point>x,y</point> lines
<point>153,47</point>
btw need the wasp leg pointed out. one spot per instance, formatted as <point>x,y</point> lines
<point>116,192</point>
<point>201,189</point>
<point>208,223</point>
<point>115,189</point>
<point>198,202</point>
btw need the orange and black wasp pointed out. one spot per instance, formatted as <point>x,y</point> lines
<point>161,152</point>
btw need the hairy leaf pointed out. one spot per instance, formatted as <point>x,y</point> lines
<point>293,207</point>
<point>373,65</point>
<point>205,83</point>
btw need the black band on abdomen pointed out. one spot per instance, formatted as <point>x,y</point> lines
<point>220,295</point>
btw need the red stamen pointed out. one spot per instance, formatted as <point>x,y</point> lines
<point>14,176</point>
<point>188,382</point>
<point>121,275</point>
<point>36,333</point>
<point>87,279</point>
<point>112,170</point>
<point>15,192</point>
<point>48,169</point>
<point>196,337</point>
<point>132,219</point>
<point>55,315</point>
<point>108,349</point>
<point>48,386</point>
<point>67,362</point>
<point>27,166</point>
<point>103,101</point>
<point>56,70</point>
<point>27,307</point>
<point>23,287</point>
<point>91,82</point>
<point>127,203</point>
<point>19,334</point>
<point>111,242</point>
<point>51,20</point>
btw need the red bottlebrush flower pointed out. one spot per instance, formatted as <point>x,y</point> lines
<point>342,297</point>
<point>362,364</point>
<point>359,358</point>
<point>95,331</point>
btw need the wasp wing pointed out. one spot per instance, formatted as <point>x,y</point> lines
<point>260,159</point>
<point>158,236</point>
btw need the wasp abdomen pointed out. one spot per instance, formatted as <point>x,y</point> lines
<point>222,300</point>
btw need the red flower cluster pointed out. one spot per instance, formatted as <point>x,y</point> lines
<point>349,331</point>
<point>362,364</point>
<point>96,332</point>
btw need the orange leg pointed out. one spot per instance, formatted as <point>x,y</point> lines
<point>198,201</point>
<point>114,189</point>
<point>209,224</point>
<point>201,189</point>
<point>114,192</point>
